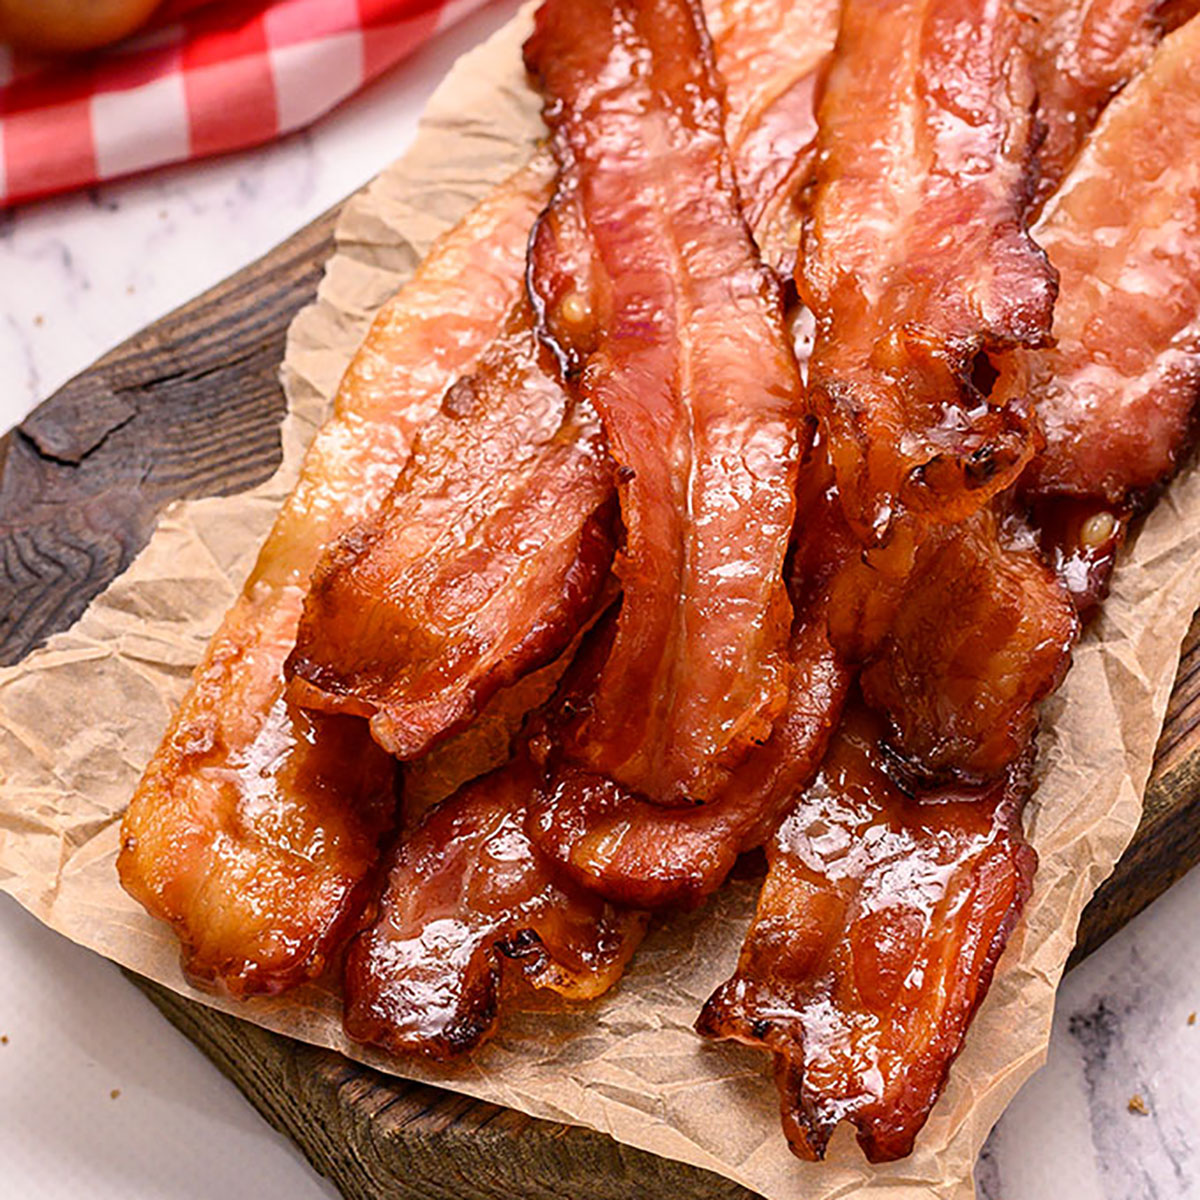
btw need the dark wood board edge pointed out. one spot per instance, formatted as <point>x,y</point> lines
<point>376,1136</point>
<point>191,406</point>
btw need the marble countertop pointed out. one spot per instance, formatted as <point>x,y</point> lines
<point>144,1110</point>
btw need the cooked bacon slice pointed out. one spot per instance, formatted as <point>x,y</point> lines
<point>647,856</point>
<point>877,931</point>
<point>983,634</point>
<point>255,828</point>
<point>1083,52</point>
<point>770,54</point>
<point>1117,394</point>
<point>680,337</point>
<point>916,259</point>
<point>644,855</point>
<point>466,891</point>
<point>480,566</point>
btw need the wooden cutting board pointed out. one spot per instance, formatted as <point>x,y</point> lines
<point>191,407</point>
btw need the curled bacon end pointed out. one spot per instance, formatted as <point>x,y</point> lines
<point>916,258</point>
<point>676,330</point>
<point>983,634</point>
<point>239,834</point>
<point>486,558</point>
<point>877,932</point>
<point>466,892</point>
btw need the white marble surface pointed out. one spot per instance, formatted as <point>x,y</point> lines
<point>79,274</point>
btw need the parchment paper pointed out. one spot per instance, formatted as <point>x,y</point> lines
<point>79,719</point>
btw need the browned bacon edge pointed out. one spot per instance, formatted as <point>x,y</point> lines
<point>482,564</point>
<point>876,935</point>
<point>697,672</point>
<point>255,830</point>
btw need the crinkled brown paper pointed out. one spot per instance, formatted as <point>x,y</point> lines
<point>80,718</point>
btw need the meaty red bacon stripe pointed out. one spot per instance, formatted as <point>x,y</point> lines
<point>255,830</point>
<point>916,260</point>
<point>677,331</point>
<point>818,982</point>
<point>481,565</point>
<point>877,932</point>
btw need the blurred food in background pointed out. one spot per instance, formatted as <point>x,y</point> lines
<point>63,26</point>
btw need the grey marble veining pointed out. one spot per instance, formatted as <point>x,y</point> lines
<point>1122,1041</point>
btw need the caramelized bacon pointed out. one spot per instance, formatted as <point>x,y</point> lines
<point>770,54</point>
<point>466,891</point>
<point>877,931</point>
<point>983,634</point>
<point>644,855</point>
<point>1117,394</point>
<point>255,828</point>
<point>1083,52</point>
<point>481,565</point>
<point>678,332</point>
<point>916,259</point>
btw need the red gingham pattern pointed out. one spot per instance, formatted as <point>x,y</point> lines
<point>204,78</point>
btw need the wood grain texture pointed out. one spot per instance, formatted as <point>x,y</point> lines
<point>191,407</point>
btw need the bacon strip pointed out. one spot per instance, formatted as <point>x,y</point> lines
<point>1117,393</point>
<point>255,829</point>
<point>642,854</point>
<point>876,935</point>
<point>466,891</point>
<point>770,54</point>
<point>480,566</point>
<point>683,355</point>
<point>1083,53</point>
<point>983,635</point>
<point>916,259</point>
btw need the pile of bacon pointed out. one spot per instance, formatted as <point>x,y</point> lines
<point>737,475</point>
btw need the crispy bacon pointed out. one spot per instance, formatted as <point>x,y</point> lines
<point>770,54</point>
<point>860,988</point>
<point>983,634</point>
<point>877,931</point>
<point>916,259</point>
<point>481,565</point>
<point>678,331</point>
<point>466,891</point>
<point>1083,52</point>
<point>1117,394</point>
<point>642,854</point>
<point>256,826</point>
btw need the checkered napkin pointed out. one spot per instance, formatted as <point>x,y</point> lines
<point>206,77</point>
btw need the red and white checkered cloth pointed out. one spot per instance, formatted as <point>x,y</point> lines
<point>206,77</point>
